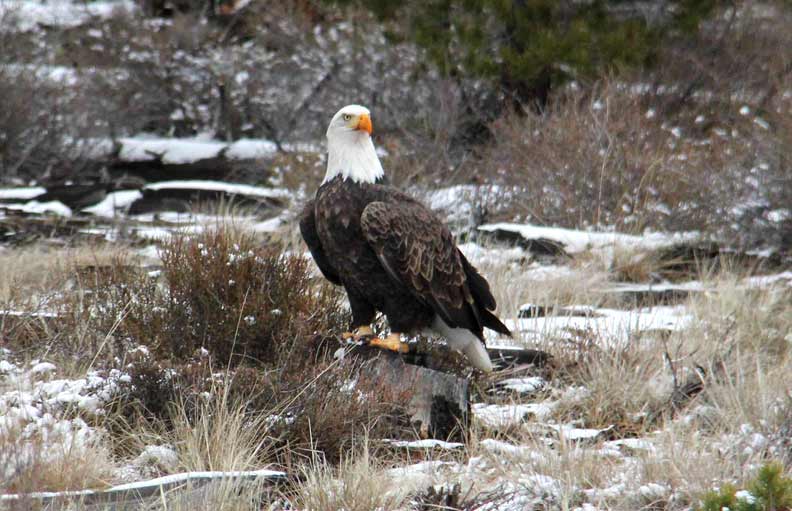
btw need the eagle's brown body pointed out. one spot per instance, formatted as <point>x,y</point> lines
<point>394,255</point>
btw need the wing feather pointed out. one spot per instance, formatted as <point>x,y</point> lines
<point>308,231</point>
<point>418,251</point>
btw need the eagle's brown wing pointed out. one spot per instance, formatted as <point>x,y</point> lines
<point>308,231</point>
<point>417,250</point>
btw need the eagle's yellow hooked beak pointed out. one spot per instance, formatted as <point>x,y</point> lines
<point>364,123</point>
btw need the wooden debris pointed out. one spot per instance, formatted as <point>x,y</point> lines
<point>183,200</point>
<point>431,381</point>
<point>133,495</point>
<point>541,248</point>
<point>436,403</point>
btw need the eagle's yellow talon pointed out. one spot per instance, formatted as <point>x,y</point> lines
<point>392,342</point>
<point>360,333</point>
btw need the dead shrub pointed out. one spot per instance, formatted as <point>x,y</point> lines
<point>310,403</point>
<point>224,317</point>
<point>219,291</point>
<point>598,161</point>
<point>39,136</point>
<point>232,297</point>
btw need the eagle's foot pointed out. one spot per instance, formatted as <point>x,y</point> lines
<point>362,333</point>
<point>392,342</point>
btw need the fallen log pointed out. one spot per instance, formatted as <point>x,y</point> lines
<point>133,495</point>
<point>184,200</point>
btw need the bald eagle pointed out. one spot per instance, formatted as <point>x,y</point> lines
<point>390,252</point>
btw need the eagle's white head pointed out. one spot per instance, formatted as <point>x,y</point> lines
<point>350,151</point>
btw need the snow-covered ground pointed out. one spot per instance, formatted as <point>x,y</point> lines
<point>38,409</point>
<point>25,15</point>
<point>575,241</point>
<point>523,456</point>
<point>607,327</point>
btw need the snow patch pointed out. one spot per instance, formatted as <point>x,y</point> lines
<point>113,202</point>
<point>579,241</point>
<point>190,150</point>
<point>571,433</point>
<point>524,385</point>
<point>26,15</point>
<point>609,327</point>
<point>163,457</point>
<point>498,416</point>
<point>499,447</point>
<point>21,193</point>
<point>428,443</point>
<point>220,186</point>
<point>40,208</point>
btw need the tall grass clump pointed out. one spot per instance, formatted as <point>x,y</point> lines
<point>360,482</point>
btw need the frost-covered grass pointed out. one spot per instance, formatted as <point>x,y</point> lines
<point>606,425</point>
<point>359,482</point>
<point>217,432</point>
<point>111,373</point>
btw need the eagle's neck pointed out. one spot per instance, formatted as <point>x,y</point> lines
<point>352,156</point>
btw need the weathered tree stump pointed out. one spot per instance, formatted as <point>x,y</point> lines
<point>432,382</point>
<point>436,403</point>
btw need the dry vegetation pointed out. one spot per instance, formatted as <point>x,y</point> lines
<point>228,345</point>
<point>228,351</point>
<point>284,404</point>
<point>670,148</point>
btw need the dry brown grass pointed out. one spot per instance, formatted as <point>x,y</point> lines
<point>603,161</point>
<point>52,459</point>
<point>218,433</point>
<point>227,495</point>
<point>360,482</point>
<point>515,285</point>
<point>268,331</point>
<point>34,273</point>
<point>625,389</point>
<point>736,334</point>
<point>291,409</point>
<point>741,336</point>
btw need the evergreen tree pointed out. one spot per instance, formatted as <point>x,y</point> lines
<point>528,47</point>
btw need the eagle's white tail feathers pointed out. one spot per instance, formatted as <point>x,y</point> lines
<point>463,340</point>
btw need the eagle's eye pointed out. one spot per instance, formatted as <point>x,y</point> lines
<point>347,117</point>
